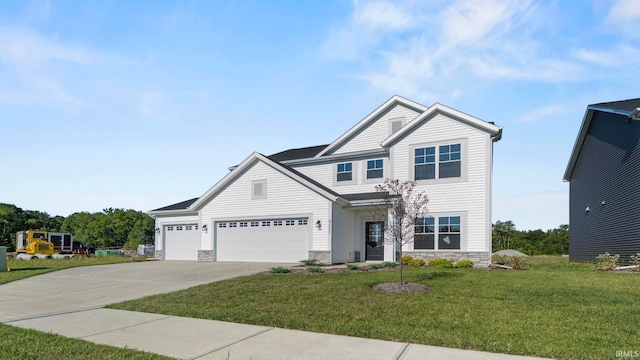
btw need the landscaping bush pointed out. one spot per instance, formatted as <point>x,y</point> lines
<point>635,260</point>
<point>607,261</point>
<point>280,270</point>
<point>310,262</point>
<point>466,263</point>
<point>416,262</point>
<point>516,262</point>
<point>390,264</point>
<point>441,263</point>
<point>352,266</point>
<point>315,269</point>
<point>406,259</point>
<point>376,266</point>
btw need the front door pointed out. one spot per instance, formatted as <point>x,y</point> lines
<point>374,238</point>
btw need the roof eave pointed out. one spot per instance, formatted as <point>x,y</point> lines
<point>387,104</point>
<point>493,130</point>
<point>172,212</point>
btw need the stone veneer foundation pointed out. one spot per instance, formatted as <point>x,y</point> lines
<point>480,259</point>
<point>205,255</point>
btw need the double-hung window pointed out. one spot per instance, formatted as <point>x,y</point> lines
<point>375,169</point>
<point>345,172</point>
<point>446,229</point>
<point>437,162</point>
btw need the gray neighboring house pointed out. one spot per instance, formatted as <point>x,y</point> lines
<point>604,182</point>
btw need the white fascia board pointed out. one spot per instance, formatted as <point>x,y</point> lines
<point>392,101</point>
<point>582,134</point>
<point>181,212</point>
<point>333,157</point>
<point>254,157</point>
<point>494,130</point>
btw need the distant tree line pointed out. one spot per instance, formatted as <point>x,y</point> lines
<point>531,242</point>
<point>109,228</point>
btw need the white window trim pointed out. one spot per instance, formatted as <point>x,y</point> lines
<point>463,231</point>
<point>464,156</point>
<point>385,171</point>
<point>354,173</point>
<point>264,189</point>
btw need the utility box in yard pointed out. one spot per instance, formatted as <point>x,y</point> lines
<point>3,258</point>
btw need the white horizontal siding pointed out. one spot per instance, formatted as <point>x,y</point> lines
<point>371,136</point>
<point>162,221</point>
<point>470,196</point>
<point>285,197</point>
<point>343,234</point>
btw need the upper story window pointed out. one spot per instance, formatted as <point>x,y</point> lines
<point>345,172</point>
<point>375,169</point>
<point>438,162</point>
<point>447,232</point>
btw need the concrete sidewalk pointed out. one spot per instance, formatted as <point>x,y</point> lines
<point>188,338</point>
<point>71,303</point>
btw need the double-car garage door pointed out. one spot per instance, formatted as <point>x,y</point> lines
<point>268,240</point>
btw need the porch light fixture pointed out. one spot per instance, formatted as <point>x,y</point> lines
<point>587,209</point>
<point>204,227</point>
<point>158,230</point>
<point>318,225</point>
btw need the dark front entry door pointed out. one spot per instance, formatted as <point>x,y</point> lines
<point>374,238</point>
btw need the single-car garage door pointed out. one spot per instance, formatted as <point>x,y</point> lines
<point>267,240</point>
<point>181,242</point>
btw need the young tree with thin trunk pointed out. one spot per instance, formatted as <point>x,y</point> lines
<point>400,207</point>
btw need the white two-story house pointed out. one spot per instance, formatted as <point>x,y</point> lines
<point>314,202</point>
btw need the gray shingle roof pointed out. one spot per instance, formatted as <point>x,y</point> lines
<point>625,105</point>
<point>178,206</point>
<point>365,196</point>
<point>299,153</point>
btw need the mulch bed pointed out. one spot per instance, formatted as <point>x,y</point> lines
<point>404,288</point>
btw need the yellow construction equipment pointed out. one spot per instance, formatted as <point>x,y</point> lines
<point>35,244</point>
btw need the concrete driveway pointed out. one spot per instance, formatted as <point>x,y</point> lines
<point>96,286</point>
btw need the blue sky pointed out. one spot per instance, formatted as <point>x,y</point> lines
<point>141,104</point>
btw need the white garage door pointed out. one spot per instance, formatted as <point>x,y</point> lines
<point>181,242</point>
<point>285,240</point>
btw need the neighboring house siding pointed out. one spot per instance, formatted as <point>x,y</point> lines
<point>343,234</point>
<point>371,136</point>
<point>607,169</point>
<point>284,197</point>
<point>471,195</point>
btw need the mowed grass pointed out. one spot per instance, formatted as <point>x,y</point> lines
<point>21,344</point>
<point>20,269</point>
<point>557,309</point>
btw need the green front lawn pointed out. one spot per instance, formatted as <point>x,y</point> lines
<point>20,269</point>
<point>20,344</point>
<point>557,310</point>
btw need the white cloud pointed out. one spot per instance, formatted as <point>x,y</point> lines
<point>381,15</point>
<point>31,65</point>
<point>624,11</point>
<point>423,48</point>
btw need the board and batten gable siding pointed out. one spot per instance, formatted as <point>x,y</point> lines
<point>370,137</point>
<point>284,197</point>
<point>607,169</point>
<point>343,234</point>
<point>471,195</point>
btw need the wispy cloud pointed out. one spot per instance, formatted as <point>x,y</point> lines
<point>431,48</point>
<point>543,113</point>
<point>33,64</point>
<point>624,11</point>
